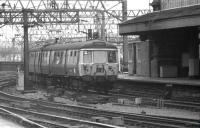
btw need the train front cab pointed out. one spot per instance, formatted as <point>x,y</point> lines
<point>99,66</point>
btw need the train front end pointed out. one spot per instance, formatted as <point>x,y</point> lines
<point>99,63</point>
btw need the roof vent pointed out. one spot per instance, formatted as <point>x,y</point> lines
<point>99,43</point>
<point>56,40</point>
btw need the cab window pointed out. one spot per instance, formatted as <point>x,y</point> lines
<point>100,57</point>
<point>112,57</point>
<point>87,56</point>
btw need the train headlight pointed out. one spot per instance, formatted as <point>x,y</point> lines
<point>85,69</point>
<point>111,69</point>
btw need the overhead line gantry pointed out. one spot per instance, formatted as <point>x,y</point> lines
<point>75,15</point>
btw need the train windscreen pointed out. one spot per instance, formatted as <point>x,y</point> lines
<point>100,56</point>
<point>112,57</point>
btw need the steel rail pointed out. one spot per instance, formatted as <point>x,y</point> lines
<point>19,119</point>
<point>56,118</point>
<point>129,118</point>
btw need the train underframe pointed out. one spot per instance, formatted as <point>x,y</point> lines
<point>97,83</point>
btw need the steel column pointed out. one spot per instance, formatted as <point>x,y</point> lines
<point>26,49</point>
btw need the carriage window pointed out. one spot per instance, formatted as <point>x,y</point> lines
<point>87,56</point>
<point>112,58</point>
<point>58,58</point>
<point>74,53</point>
<point>31,54</point>
<point>71,53</point>
<point>61,57</point>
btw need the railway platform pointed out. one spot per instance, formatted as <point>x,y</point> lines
<point>176,81</point>
<point>184,89</point>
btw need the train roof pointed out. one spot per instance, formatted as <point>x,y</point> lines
<point>60,45</point>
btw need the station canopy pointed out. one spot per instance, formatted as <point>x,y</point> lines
<point>161,20</point>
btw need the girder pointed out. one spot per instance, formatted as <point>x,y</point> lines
<point>65,18</point>
<point>11,17</point>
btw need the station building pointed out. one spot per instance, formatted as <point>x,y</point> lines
<point>169,40</point>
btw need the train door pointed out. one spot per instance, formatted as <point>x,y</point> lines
<point>58,63</point>
<point>72,62</point>
<point>31,61</point>
<point>37,64</point>
<point>66,61</point>
<point>76,62</point>
<point>51,61</point>
<point>45,62</point>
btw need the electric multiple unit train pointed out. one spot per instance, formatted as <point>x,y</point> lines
<point>80,65</point>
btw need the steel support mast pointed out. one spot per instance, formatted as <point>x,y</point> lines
<point>125,39</point>
<point>26,50</point>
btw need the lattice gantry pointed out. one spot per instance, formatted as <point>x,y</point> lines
<point>69,19</point>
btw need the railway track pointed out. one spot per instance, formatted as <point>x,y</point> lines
<point>63,110</point>
<point>18,119</point>
<point>147,100</point>
<point>16,105</point>
<point>7,78</point>
<point>55,120</point>
<point>150,99</point>
<point>87,113</point>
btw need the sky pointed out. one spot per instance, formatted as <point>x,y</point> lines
<point>138,4</point>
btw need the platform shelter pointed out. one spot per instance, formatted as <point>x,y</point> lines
<point>173,36</point>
